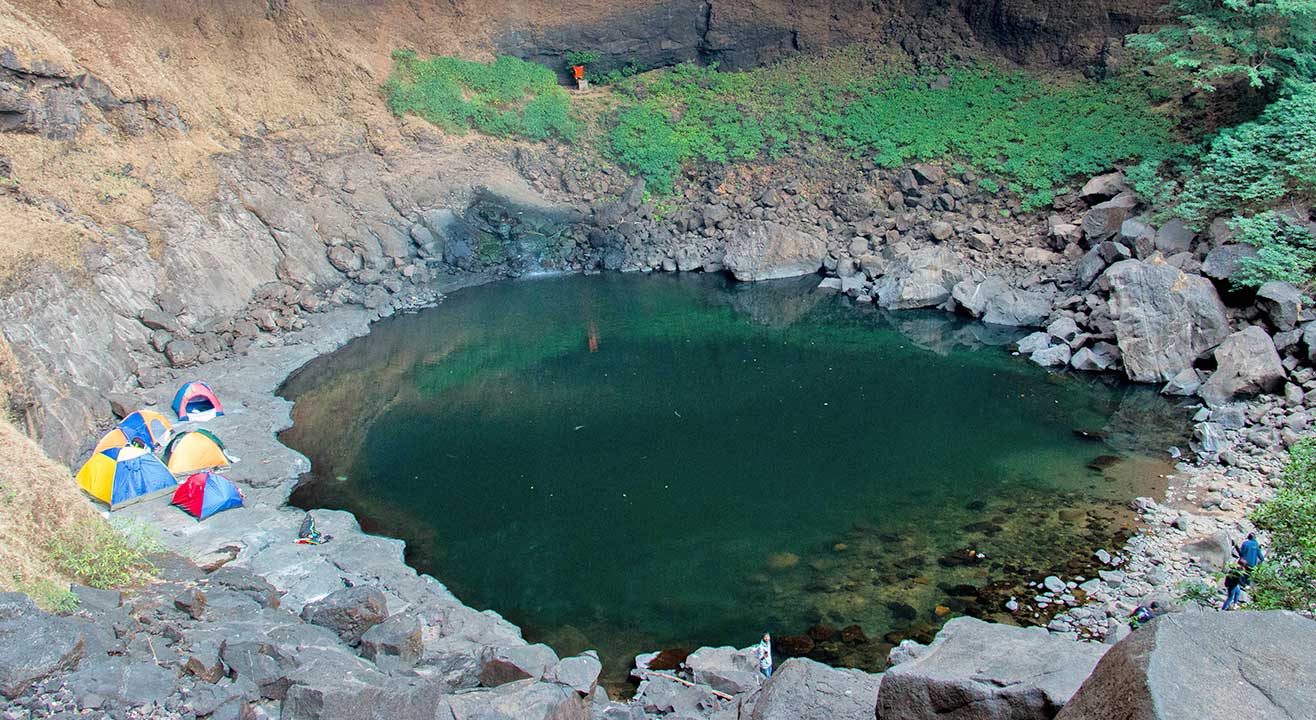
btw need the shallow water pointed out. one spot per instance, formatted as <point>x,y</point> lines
<point>636,462</point>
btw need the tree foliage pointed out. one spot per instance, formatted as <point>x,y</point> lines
<point>1286,250</point>
<point>1287,580</point>
<point>1261,41</point>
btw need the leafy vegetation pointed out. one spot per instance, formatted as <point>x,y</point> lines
<point>103,556</point>
<point>581,57</point>
<point>1286,250</point>
<point>47,594</point>
<point>1288,577</point>
<point>1033,133</point>
<point>509,97</point>
<point>1261,41</point>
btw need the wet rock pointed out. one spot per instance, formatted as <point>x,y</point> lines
<point>1164,319</point>
<point>350,612</point>
<point>1054,356</point>
<point>793,645</point>
<point>1099,357</point>
<point>1035,342</point>
<point>802,689</point>
<point>1246,364</point>
<point>976,669</point>
<point>759,250</point>
<point>1282,303</point>
<point>1253,660</point>
<point>854,635</point>
<point>500,665</point>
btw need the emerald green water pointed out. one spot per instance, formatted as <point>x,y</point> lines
<point>631,462</point>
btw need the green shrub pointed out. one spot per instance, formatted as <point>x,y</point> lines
<point>1286,250</point>
<point>1288,577</point>
<point>1255,165</point>
<point>1033,133</point>
<point>509,97</point>
<point>103,556</point>
<point>989,185</point>
<point>47,594</point>
<point>581,57</point>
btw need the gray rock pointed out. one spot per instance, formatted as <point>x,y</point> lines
<point>1205,665</point>
<point>1034,343</point>
<point>919,278</point>
<point>976,670</point>
<point>973,297</point>
<point>941,231</point>
<point>522,700</point>
<point>96,600</point>
<point>1063,328</point>
<point>182,353</point>
<point>500,665</point>
<point>1183,384</point>
<point>350,612</point>
<point>1222,262</point>
<point>1282,303</point>
<point>1088,268</point>
<point>1104,220</point>
<point>1017,308</point>
<point>1103,187</point>
<point>759,250</point>
<point>22,661</point>
<point>398,637</point>
<point>660,695</point>
<point>343,259</point>
<point>1054,356</point>
<point>123,679</point>
<point>1164,319</point>
<point>1210,437</point>
<point>1099,357</point>
<point>1140,236</point>
<point>726,669</point>
<point>1246,364</point>
<point>1173,238</point>
<point>580,673</point>
<point>158,320</point>
<point>1054,584</point>
<point>1212,552</point>
<point>802,689</point>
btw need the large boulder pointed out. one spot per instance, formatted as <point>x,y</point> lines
<point>350,612</point>
<point>725,668</point>
<point>22,661</point>
<point>1246,364</point>
<point>1194,665</point>
<point>759,250</point>
<point>999,304</point>
<point>802,689</point>
<point>1283,304</point>
<point>521,700</point>
<point>1164,318</point>
<point>976,670</point>
<point>1222,262</point>
<point>919,278</point>
<point>1104,220</point>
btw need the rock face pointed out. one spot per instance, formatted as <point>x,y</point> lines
<point>802,689</point>
<point>1246,364</point>
<point>1205,665</point>
<point>1164,318</point>
<point>760,250</point>
<point>22,661</point>
<point>976,670</point>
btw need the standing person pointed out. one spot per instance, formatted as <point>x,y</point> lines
<point>1250,552</point>
<point>764,651</point>
<point>1234,585</point>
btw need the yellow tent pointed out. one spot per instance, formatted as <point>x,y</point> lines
<point>192,451</point>
<point>145,428</point>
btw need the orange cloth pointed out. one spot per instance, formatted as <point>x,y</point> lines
<point>578,71</point>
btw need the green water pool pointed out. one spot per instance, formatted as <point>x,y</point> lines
<point>629,463</point>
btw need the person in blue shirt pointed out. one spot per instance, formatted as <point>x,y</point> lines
<point>1250,552</point>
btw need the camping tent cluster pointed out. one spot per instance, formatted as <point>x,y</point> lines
<point>124,469</point>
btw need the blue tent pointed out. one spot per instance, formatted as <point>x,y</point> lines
<point>205,493</point>
<point>120,475</point>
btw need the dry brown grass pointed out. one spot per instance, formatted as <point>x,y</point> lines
<point>37,498</point>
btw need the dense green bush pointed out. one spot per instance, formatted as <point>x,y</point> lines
<point>1288,577</point>
<point>509,97</point>
<point>1286,250</point>
<point>104,556</point>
